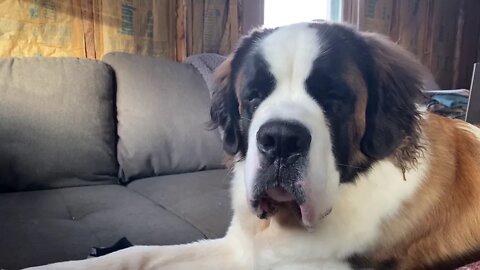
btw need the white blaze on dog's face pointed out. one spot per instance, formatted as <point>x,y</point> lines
<point>303,106</point>
<point>289,103</point>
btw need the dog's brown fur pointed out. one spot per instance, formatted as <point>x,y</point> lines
<point>440,225</point>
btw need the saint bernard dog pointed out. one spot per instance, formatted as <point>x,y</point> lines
<point>336,165</point>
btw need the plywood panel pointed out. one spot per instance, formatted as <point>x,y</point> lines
<point>377,15</point>
<point>41,28</point>
<point>251,14</point>
<point>195,12</point>
<point>180,35</point>
<point>88,28</point>
<point>444,34</point>
<point>349,12</point>
<point>213,26</point>
<point>215,18</point>
<point>92,28</point>
<point>412,28</point>
<point>468,30</point>
<point>231,30</point>
<point>137,26</point>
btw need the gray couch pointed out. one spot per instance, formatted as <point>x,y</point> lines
<point>93,151</point>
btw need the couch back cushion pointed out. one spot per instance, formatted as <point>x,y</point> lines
<point>163,108</point>
<point>57,123</point>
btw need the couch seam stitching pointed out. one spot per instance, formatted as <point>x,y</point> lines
<point>77,220</point>
<point>171,212</point>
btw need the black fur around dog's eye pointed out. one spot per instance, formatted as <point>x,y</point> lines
<point>331,93</point>
<point>260,82</point>
<point>335,96</point>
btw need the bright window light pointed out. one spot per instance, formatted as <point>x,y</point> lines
<point>282,12</point>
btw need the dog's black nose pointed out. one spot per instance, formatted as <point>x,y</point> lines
<point>283,139</point>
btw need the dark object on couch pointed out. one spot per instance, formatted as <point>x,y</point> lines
<point>94,151</point>
<point>102,251</point>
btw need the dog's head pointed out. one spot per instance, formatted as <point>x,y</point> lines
<point>307,107</point>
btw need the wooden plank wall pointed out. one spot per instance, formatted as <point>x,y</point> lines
<point>212,26</point>
<point>443,34</point>
<point>350,11</point>
<point>179,27</point>
<point>173,29</point>
<point>88,27</point>
<point>252,15</point>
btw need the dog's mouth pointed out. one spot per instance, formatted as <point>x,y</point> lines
<point>282,185</point>
<point>274,199</point>
<point>271,200</point>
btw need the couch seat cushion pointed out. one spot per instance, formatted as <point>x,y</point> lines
<point>39,227</point>
<point>202,198</point>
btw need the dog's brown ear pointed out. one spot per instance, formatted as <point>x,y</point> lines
<point>391,113</point>
<point>224,108</point>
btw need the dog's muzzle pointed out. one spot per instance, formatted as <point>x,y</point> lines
<point>283,148</point>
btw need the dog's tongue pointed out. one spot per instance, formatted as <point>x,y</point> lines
<point>308,216</point>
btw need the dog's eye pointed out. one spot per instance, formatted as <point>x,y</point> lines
<point>254,103</point>
<point>334,106</point>
<point>252,96</point>
<point>335,103</point>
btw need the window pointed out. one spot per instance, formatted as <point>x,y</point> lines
<point>282,12</point>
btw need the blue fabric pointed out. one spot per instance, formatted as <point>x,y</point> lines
<point>451,100</point>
